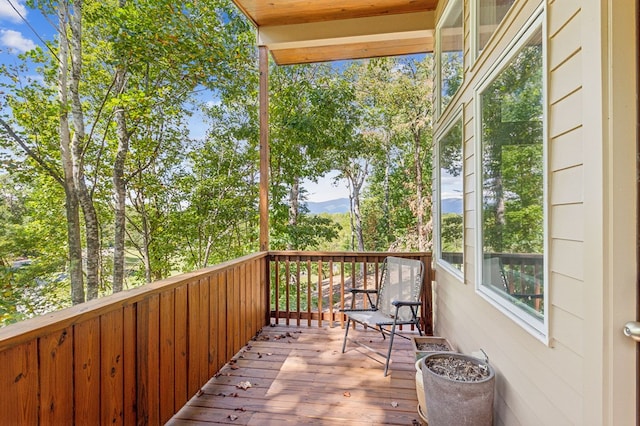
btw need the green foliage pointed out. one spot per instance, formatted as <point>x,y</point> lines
<point>513,157</point>
<point>452,233</point>
<point>395,95</point>
<point>31,227</point>
<point>310,117</point>
<point>192,201</point>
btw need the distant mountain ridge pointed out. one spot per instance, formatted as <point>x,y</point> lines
<point>452,205</point>
<point>339,205</point>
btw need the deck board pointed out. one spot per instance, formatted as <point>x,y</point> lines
<point>298,375</point>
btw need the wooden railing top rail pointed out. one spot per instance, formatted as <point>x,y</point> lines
<point>345,254</point>
<point>26,330</point>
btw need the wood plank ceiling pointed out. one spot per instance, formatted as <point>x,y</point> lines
<point>303,31</point>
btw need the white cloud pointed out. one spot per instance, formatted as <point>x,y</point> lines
<point>8,14</point>
<point>14,40</point>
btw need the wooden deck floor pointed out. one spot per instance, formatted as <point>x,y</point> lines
<point>298,375</point>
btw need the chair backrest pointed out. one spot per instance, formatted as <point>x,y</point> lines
<point>401,280</point>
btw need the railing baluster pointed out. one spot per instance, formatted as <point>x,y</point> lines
<point>342,290</point>
<point>330,296</point>
<point>287,273</point>
<point>297,290</point>
<point>319,293</point>
<point>277,291</point>
<point>309,292</point>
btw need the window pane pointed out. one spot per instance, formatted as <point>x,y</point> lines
<point>451,191</point>
<point>512,178</point>
<point>490,14</point>
<point>451,45</point>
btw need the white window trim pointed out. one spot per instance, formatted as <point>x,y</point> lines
<point>473,32</point>
<point>474,24</point>
<point>445,13</point>
<point>538,329</point>
<point>456,116</point>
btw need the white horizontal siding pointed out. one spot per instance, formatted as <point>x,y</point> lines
<point>537,384</point>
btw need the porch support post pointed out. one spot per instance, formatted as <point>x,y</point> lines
<point>264,147</point>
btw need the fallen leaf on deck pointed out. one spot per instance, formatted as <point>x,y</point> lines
<point>347,394</point>
<point>269,354</point>
<point>394,404</point>
<point>232,417</point>
<point>240,409</point>
<point>199,393</point>
<point>235,367</point>
<point>243,385</point>
<point>259,355</point>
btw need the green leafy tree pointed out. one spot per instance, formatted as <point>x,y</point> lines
<point>308,119</point>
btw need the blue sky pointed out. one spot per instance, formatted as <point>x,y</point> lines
<point>16,37</point>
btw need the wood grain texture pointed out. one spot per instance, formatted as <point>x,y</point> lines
<point>181,340</point>
<point>287,12</point>
<point>111,371</point>
<point>19,384</point>
<point>56,375</point>
<point>193,372</point>
<point>167,355</point>
<point>298,375</point>
<point>130,364</point>
<point>86,359</point>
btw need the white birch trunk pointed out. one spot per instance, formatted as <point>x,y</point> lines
<point>71,200</point>
<point>78,141</point>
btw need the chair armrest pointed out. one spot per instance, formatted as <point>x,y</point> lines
<point>362,290</point>
<point>403,303</point>
<point>368,292</point>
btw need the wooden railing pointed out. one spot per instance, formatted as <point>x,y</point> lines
<point>133,357</point>
<point>138,356</point>
<point>311,287</point>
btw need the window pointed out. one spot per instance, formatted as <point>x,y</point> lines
<point>450,57</point>
<point>511,205</point>
<point>450,191</point>
<point>488,17</point>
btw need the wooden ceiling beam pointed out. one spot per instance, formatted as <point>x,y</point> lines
<point>352,51</point>
<point>348,31</point>
<point>285,12</point>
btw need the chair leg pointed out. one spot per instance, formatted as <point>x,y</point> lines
<point>393,333</point>
<point>381,330</point>
<point>346,331</point>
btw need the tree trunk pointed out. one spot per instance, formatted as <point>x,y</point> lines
<point>386,209</point>
<point>146,249</point>
<point>119,185</point>
<point>71,201</point>
<point>356,178</point>
<point>294,203</point>
<point>92,229</point>
<point>358,219</point>
<point>422,244</point>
